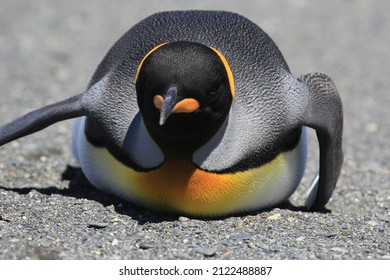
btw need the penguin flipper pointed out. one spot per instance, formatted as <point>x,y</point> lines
<point>324,113</point>
<point>41,118</point>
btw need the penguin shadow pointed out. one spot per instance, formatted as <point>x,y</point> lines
<point>79,187</point>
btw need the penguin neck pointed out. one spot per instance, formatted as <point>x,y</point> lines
<point>182,144</point>
<point>179,146</point>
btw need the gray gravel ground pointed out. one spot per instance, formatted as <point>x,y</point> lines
<point>49,50</point>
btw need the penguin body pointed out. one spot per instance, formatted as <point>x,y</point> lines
<point>178,186</point>
<point>197,113</point>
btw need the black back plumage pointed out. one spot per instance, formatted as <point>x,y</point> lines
<point>245,45</point>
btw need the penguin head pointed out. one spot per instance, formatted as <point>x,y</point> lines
<point>184,92</point>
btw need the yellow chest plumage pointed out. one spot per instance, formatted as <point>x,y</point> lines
<point>178,186</point>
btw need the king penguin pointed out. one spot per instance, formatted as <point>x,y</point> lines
<point>197,113</point>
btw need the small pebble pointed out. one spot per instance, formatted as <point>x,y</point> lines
<point>111,208</point>
<point>300,239</point>
<point>206,251</point>
<point>183,219</point>
<point>274,217</point>
<point>239,224</point>
<point>275,248</point>
<point>146,245</point>
<point>252,246</point>
<point>373,223</point>
<point>339,250</point>
<point>4,219</point>
<point>330,234</point>
<point>227,253</point>
<point>114,242</point>
<point>243,236</point>
<point>97,224</point>
<point>385,218</point>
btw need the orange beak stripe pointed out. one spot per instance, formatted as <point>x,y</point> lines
<point>187,105</point>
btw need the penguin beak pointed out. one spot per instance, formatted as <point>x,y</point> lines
<point>172,103</point>
<point>170,100</point>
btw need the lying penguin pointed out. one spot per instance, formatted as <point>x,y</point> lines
<point>197,113</point>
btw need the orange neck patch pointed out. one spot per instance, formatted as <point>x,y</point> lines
<point>142,61</point>
<point>228,70</point>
